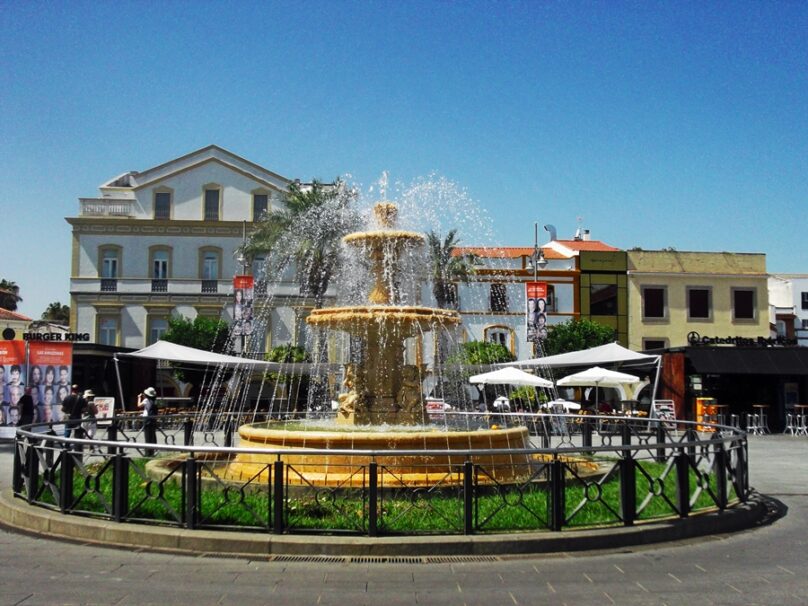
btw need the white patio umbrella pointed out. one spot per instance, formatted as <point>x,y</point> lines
<point>598,377</point>
<point>509,376</point>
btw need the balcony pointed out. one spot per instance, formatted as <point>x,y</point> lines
<point>210,287</point>
<point>106,207</point>
<point>159,285</point>
<point>109,284</point>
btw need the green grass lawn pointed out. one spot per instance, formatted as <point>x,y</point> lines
<point>589,502</point>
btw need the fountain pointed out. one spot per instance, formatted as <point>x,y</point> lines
<point>382,407</point>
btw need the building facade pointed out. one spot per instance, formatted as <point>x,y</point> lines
<point>163,241</point>
<point>677,297</point>
<point>788,298</point>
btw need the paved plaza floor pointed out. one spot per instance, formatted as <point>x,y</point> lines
<point>764,566</point>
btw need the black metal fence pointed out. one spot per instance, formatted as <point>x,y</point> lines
<point>598,471</point>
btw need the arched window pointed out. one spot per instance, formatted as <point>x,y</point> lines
<point>501,334</point>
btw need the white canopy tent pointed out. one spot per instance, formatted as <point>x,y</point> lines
<point>171,352</point>
<point>598,377</point>
<point>509,376</point>
<point>611,353</point>
<point>163,350</point>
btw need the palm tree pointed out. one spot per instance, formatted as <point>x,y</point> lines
<point>9,295</point>
<point>56,312</point>
<point>307,231</point>
<point>447,268</point>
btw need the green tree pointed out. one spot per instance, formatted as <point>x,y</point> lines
<point>309,231</point>
<point>203,333</point>
<point>576,335</point>
<point>9,295</point>
<point>58,313</point>
<point>445,268</point>
<point>295,386</point>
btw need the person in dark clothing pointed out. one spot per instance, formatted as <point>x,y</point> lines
<point>73,408</point>
<point>26,405</point>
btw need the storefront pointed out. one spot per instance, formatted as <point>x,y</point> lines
<point>740,377</point>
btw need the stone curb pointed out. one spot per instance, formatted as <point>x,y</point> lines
<point>17,514</point>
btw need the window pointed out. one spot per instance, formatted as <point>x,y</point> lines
<point>210,266</point>
<point>805,324</point>
<point>699,303</point>
<point>653,302</point>
<point>162,205</point>
<point>804,300</point>
<point>603,299</point>
<point>500,334</point>
<point>260,205</point>
<point>109,263</point>
<point>107,331</point>
<point>498,298</point>
<point>743,303</point>
<point>210,261</point>
<point>211,204</point>
<point>160,265</point>
<point>157,328</point>
<point>648,344</point>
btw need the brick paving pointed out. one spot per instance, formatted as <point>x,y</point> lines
<point>767,566</point>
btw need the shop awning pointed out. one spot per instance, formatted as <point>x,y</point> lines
<point>749,360</point>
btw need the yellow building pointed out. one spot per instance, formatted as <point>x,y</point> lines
<point>12,325</point>
<point>687,298</point>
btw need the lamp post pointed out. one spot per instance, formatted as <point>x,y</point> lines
<point>538,261</point>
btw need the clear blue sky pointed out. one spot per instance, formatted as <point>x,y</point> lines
<point>680,124</point>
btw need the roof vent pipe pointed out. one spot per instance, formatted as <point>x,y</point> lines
<point>586,236</point>
<point>552,231</point>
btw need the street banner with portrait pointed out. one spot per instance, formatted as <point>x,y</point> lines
<point>13,375</point>
<point>52,364</point>
<point>243,305</point>
<point>536,311</point>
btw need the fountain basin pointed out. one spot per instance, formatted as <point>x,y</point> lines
<point>395,471</point>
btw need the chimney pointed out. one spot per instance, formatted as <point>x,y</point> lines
<point>586,237</point>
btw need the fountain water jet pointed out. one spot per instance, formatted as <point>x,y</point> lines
<point>381,389</point>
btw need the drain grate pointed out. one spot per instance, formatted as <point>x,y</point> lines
<point>386,560</point>
<point>460,559</point>
<point>315,559</point>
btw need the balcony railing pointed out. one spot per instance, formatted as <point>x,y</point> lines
<point>106,207</point>
<point>109,285</point>
<point>159,285</point>
<point>210,286</point>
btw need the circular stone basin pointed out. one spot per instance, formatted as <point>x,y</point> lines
<point>363,316</point>
<point>394,471</point>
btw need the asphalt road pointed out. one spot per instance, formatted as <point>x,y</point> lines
<point>766,565</point>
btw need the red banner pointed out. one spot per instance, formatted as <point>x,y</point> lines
<point>536,310</point>
<point>51,371</point>
<point>243,305</point>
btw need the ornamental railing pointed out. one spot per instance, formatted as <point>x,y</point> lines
<point>106,207</point>
<point>595,471</point>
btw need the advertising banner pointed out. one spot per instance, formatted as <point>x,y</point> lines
<point>104,407</point>
<point>243,305</point>
<point>12,381</point>
<point>51,371</point>
<point>536,311</point>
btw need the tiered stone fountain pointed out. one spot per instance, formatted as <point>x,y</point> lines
<point>383,401</point>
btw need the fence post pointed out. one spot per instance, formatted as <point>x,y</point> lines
<point>468,497</point>
<point>17,481</point>
<point>277,496</point>
<point>661,438</point>
<point>628,488</point>
<point>188,432</point>
<point>721,473</point>
<point>556,495</point>
<point>228,432</point>
<point>112,436</point>
<point>66,491</point>
<point>586,432</point>
<point>32,467</point>
<point>741,472</point>
<point>191,497</point>
<point>625,433</point>
<point>120,487</point>
<point>683,483</point>
<point>373,499</point>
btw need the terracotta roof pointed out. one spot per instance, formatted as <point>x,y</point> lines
<point>5,314</point>
<point>503,252</point>
<point>587,245</point>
